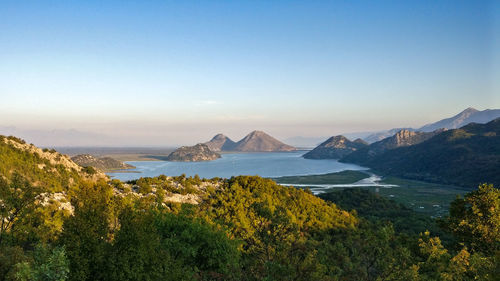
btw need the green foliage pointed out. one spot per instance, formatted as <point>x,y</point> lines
<point>16,207</point>
<point>37,170</point>
<point>138,254</point>
<point>86,234</point>
<point>198,245</point>
<point>9,257</point>
<point>47,265</point>
<point>475,219</point>
<point>275,223</point>
<point>89,170</point>
<point>245,203</point>
<point>245,228</point>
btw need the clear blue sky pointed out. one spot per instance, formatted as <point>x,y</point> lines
<point>170,72</point>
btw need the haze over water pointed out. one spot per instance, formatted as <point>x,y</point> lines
<point>272,164</point>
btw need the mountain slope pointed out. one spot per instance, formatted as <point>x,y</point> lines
<point>45,168</point>
<point>196,153</point>
<point>335,147</point>
<point>258,141</point>
<point>220,143</point>
<point>469,115</point>
<point>466,156</point>
<point>400,139</point>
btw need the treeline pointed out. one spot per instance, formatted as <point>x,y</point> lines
<point>249,228</point>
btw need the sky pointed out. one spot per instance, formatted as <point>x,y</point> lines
<point>178,72</point>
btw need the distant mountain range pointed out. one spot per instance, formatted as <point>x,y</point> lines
<point>256,141</point>
<point>438,152</point>
<point>469,115</point>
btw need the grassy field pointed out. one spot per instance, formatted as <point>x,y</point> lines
<point>344,177</point>
<point>422,196</point>
<point>430,198</point>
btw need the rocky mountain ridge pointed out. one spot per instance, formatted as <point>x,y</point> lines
<point>255,141</point>
<point>402,138</point>
<point>467,116</point>
<point>220,142</point>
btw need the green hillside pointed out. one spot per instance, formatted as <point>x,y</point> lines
<point>243,228</point>
<point>467,157</point>
<point>44,168</point>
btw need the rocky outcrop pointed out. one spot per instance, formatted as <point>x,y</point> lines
<point>378,136</point>
<point>221,143</point>
<point>335,148</point>
<point>103,163</point>
<point>196,153</point>
<point>402,138</point>
<point>258,141</point>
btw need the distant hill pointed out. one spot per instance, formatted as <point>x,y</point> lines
<point>469,115</point>
<point>221,143</point>
<point>103,164</point>
<point>335,148</point>
<point>258,141</point>
<point>196,153</point>
<point>402,138</point>
<point>467,156</point>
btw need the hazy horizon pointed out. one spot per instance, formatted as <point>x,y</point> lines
<point>167,73</point>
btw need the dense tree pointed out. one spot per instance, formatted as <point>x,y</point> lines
<point>17,205</point>
<point>48,264</point>
<point>475,219</point>
<point>87,232</point>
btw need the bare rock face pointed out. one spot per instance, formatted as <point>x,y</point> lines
<point>258,141</point>
<point>402,138</point>
<point>335,147</point>
<point>196,153</point>
<point>104,163</point>
<point>221,143</point>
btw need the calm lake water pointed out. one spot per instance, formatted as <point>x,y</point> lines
<point>272,164</point>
